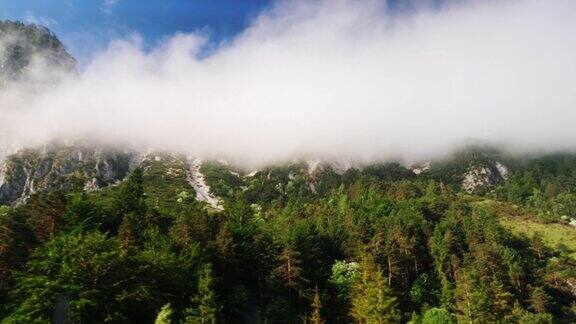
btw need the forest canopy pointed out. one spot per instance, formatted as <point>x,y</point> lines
<point>376,245</point>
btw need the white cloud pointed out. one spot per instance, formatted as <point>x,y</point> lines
<point>31,18</point>
<point>109,5</point>
<point>331,78</point>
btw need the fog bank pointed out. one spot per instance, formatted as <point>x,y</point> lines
<point>326,79</point>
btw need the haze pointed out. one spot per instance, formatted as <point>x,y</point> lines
<point>326,79</point>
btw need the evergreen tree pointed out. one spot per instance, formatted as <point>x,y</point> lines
<point>103,256</point>
<point>539,300</point>
<point>473,298</point>
<point>165,315</point>
<point>316,317</point>
<point>90,273</point>
<point>131,196</point>
<point>437,316</point>
<point>129,231</point>
<point>289,271</point>
<point>372,300</point>
<point>205,306</point>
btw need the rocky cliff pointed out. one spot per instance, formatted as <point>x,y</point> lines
<point>60,167</point>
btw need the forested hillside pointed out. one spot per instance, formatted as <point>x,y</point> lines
<point>292,245</point>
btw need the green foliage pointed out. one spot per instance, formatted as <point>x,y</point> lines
<point>551,235</point>
<point>316,317</point>
<point>388,171</point>
<point>164,315</point>
<point>344,275</point>
<point>88,271</point>
<point>372,299</point>
<point>223,182</point>
<point>16,242</point>
<point>424,289</point>
<point>131,196</point>
<point>437,316</point>
<point>83,214</point>
<point>206,308</point>
<point>165,182</point>
<point>282,250</point>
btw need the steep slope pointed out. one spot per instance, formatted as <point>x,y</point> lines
<point>484,176</point>
<point>475,169</point>
<point>31,57</point>
<point>60,167</point>
<point>27,47</point>
<point>197,181</point>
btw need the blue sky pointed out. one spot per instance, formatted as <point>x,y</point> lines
<point>86,25</point>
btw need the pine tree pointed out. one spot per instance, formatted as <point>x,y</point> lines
<point>437,316</point>
<point>473,297</point>
<point>182,231</point>
<point>131,196</point>
<point>129,231</point>
<point>165,315</point>
<point>539,300</point>
<point>372,299</point>
<point>205,309</point>
<point>316,317</point>
<point>289,272</point>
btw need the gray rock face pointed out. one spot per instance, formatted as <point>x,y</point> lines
<point>481,177</point>
<point>60,167</point>
<point>196,180</point>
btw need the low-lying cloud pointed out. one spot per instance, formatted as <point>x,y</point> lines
<point>328,78</point>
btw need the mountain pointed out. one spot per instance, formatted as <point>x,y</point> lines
<point>27,47</point>
<point>475,169</point>
<point>92,233</point>
<point>56,167</point>
<point>24,50</point>
<point>22,47</point>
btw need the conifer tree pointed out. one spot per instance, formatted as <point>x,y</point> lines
<point>372,299</point>
<point>289,272</point>
<point>206,308</point>
<point>437,316</point>
<point>131,196</point>
<point>316,317</point>
<point>539,300</point>
<point>129,231</point>
<point>165,315</point>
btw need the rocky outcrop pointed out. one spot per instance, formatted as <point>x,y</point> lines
<point>60,167</point>
<point>420,168</point>
<point>32,57</point>
<point>89,168</point>
<point>484,176</point>
<point>338,165</point>
<point>197,181</point>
